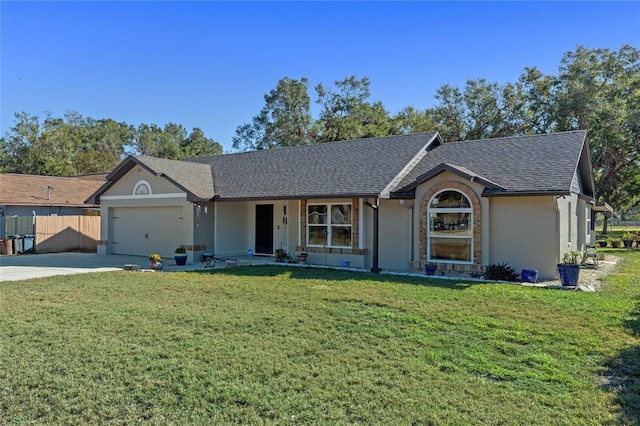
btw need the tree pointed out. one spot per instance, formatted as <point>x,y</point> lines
<point>75,145</point>
<point>285,120</point>
<point>599,90</point>
<point>37,148</point>
<point>198,145</point>
<point>412,120</point>
<point>346,114</point>
<point>483,110</point>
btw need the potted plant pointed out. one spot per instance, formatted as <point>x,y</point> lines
<point>569,269</point>
<point>156,261</point>
<point>430,269</point>
<point>529,275</point>
<point>627,239</point>
<point>180,256</point>
<point>302,257</point>
<point>615,242</point>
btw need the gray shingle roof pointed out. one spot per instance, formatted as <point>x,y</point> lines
<point>363,167</point>
<point>538,163</point>
<point>192,177</point>
<point>371,167</point>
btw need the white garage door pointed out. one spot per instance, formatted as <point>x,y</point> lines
<point>141,231</point>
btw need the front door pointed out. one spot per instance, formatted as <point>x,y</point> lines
<point>264,229</point>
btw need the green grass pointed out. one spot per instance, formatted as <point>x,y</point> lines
<point>272,345</point>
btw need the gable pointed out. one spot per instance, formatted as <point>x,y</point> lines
<point>538,164</point>
<point>135,178</point>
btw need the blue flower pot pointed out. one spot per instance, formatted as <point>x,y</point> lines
<point>430,269</point>
<point>529,275</point>
<point>345,263</point>
<point>569,274</point>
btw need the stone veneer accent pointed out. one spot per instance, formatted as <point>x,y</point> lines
<point>199,247</point>
<point>456,268</point>
<point>355,232</point>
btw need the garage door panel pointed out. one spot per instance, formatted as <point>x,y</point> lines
<point>144,230</point>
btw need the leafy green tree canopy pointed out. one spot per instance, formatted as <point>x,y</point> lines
<point>74,145</point>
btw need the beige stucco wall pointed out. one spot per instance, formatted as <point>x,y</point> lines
<point>163,194</point>
<point>125,185</point>
<point>523,233</point>
<point>231,228</point>
<point>204,222</point>
<point>394,235</point>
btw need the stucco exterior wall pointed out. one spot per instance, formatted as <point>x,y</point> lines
<point>203,233</point>
<point>231,233</point>
<point>163,194</point>
<point>126,184</point>
<point>395,235</point>
<point>523,233</point>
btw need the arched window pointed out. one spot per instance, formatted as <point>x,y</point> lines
<point>450,232</point>
<point>142,187</point>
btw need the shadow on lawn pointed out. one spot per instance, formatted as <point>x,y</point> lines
<point>339,275</point>
<point>623,375</point>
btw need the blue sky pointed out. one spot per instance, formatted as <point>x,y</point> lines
<point>208,64</point>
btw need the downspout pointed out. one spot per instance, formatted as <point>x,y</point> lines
<point>375,269</point>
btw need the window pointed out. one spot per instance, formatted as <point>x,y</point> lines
<point>142,188</point>
<point>329,225</point>
<point>450,233</point>
<point>587,215</point>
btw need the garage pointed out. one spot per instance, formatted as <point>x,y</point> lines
<point>141,231</point>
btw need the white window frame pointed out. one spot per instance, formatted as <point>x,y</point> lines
<point>431,210</point>
<point>142,183</point>
<point>329,224</point>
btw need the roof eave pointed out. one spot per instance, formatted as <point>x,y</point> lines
<point>524,193</point>
<point>296,197</point>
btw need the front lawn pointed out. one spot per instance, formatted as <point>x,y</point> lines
<point>278,345</point>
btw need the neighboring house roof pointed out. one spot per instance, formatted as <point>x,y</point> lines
<point>536,164</point>
<point>31,190</point>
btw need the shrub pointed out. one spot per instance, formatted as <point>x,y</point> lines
<point>180,250</point>
<point>501,272</point>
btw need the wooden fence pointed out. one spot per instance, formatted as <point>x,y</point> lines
<point>55,234</point>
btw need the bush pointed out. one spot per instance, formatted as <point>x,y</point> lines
<point>501,272</point>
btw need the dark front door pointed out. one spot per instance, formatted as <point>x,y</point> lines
<point>264,228</point>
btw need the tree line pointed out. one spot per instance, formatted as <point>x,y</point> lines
<point>75,145</point>
<point>594,89</point>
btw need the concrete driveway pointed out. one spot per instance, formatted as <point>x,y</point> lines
<point>25,266</point>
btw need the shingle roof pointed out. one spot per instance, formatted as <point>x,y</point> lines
<point>373,167</point>
<point>538,163</point>
<point>193,177</point>
<point>30,190</point>
<point>363,167</point>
